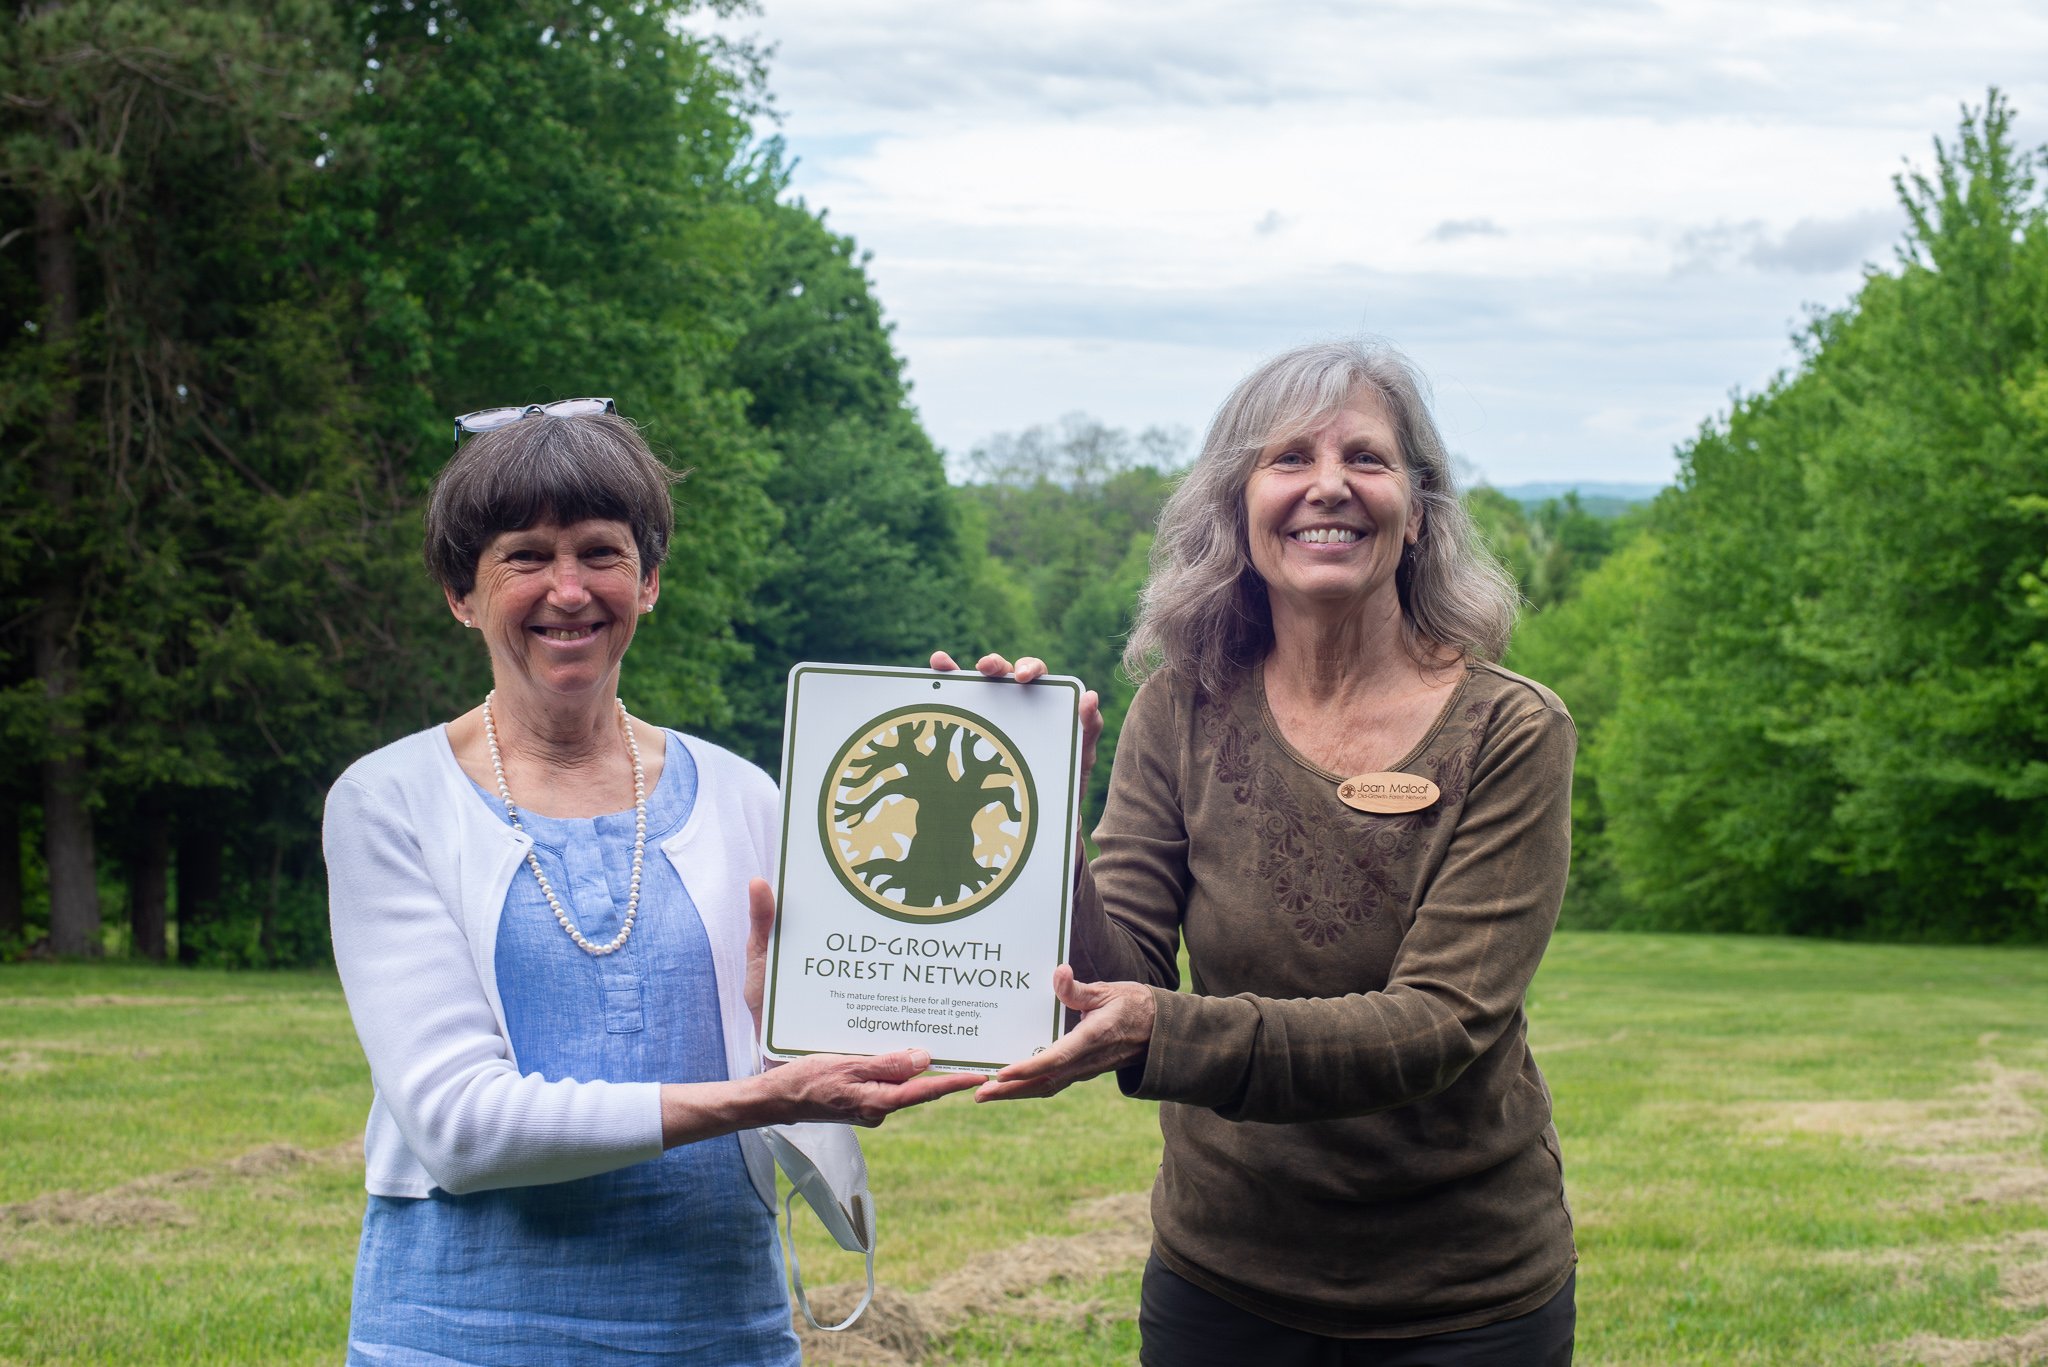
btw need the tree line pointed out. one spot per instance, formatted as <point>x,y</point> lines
<point>253,256</point>
<point>1812,690</point>
<point>1811,678</point>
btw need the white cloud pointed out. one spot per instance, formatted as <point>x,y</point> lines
<point>1815,246</point>
<point>1812,246</point>
<point>1590,221</point>
<point>1454,229</point>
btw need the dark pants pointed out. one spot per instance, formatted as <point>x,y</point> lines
<point>1184,1326</point>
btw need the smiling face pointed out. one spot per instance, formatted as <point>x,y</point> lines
<point>557,604</point>
<point>1329,511</point>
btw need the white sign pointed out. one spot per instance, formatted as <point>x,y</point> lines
<point>928,827</point>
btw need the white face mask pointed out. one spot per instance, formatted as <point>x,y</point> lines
<point>825,1164</point>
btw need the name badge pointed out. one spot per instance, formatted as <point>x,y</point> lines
<point>1388,792</point>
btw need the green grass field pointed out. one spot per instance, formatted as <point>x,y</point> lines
<point>1778,1152</point>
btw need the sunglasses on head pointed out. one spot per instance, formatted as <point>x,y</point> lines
<point>490,419</point>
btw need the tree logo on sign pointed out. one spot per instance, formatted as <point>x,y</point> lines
<point>927,813</point>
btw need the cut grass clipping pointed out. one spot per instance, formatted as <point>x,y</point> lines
<point>1777,1152</point>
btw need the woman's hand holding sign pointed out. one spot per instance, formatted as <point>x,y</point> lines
<point>1115,1030</point>
<point>1116,1017</point>
<point>1028,668</point>
<point>760,924</point>
<point>854,1089</point>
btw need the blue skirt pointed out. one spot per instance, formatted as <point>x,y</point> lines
<point>589,1271</point>
<point>670,1261</point>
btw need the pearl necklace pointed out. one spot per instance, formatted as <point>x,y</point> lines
<point>639,831</point>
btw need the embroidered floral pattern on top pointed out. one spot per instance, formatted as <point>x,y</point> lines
<point>1329,868</point>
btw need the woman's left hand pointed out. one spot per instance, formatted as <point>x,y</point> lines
<point>1115,1030</point>
<point>760,920</point>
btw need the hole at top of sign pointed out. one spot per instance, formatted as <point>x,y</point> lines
<point>935,683</point>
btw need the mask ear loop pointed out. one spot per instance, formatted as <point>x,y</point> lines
<point>865,1212</point>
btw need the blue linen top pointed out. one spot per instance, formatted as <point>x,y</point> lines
<point>673,1260</point>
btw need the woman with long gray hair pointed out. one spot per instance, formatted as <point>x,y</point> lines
<point>1359,824</point>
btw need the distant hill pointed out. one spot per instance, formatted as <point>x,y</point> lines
<point>1602,500</point>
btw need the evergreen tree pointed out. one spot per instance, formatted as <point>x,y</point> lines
<point>148,149</point>
<point>263,253</point>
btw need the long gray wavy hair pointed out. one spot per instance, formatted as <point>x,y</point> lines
<point>1203,611</point>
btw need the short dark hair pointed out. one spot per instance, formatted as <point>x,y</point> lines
<point>542,469</point>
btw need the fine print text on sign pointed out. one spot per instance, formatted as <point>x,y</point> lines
<point>927,864</point>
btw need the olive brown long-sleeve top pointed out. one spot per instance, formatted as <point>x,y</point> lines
<point>1357,1140</point>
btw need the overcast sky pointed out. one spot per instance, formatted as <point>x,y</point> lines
<point>1587,222</point>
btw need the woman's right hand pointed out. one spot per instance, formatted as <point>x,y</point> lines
<point>845,1088</point>
<point>855,1089</point>
<point>1027,669</point>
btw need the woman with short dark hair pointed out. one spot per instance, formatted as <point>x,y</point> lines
<point>549,919</point>
<point>1359,826</point>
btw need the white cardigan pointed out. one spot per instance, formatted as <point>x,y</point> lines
<point>417,871</point>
